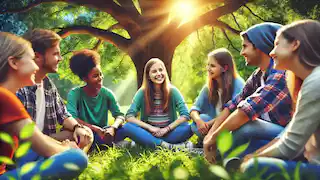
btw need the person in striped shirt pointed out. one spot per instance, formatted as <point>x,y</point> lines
<point>157,103</point>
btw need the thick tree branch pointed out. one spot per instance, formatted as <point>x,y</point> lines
<point>105,35</point>
<point>100,41</point>
<point>209,18</point>
<point>254,13</point>
<point>226,26</point>
<point>226,35</point>
<point>126,18</point>
<point>28,7</point>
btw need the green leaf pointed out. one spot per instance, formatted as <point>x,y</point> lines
<point>284,173</point>
<point>238,150</point>
<point>22,149</point>
<point>224,141</point>
<point>27,168</point>
<point>6,138</point>
<point>71,166</point>
<point>180,173</point>
<point>27,131</point>
<point>219,171</point>
<point>46,164</point>
<point>36,177</point>
<point>297,171</point>
<point>6,160</point>
<point>11,178</point>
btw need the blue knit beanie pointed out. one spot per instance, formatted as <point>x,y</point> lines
<point>262,35</point>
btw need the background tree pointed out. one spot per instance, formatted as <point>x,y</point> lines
<point>154,28</point>
<point>188,59</point>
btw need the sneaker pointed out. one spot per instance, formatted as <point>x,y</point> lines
<point>232,164</point>
<point>184,145</point>
<point>196,151</point>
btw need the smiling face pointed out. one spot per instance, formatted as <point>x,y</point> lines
<point>94,78</point>
<point>157,73</point>
<point>251,54</point>
<point>214,69</point>
<point>50,60</point>
<point>282,53</point>
<point>26,68</point>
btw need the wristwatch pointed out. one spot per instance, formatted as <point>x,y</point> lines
<point>77,126</point>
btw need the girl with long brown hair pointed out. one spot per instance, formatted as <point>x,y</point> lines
<point>223,83</point>
<point>297,49</point>
<point>158,102</point>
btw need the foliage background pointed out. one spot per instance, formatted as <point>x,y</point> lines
<point>188,70</point>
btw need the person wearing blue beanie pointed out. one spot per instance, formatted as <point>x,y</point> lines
<point>261,111</point>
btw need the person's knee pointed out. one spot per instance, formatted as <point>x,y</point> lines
<point>248,166</point>
<point>79,158</point>
<point>243,131</point>
<point>129,125</point>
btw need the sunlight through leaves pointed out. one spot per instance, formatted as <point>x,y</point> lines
<point>27,131</point>
<point>180,173</point>
<point>27,168</point>
<point>71,166</point>
<point>23,149</point>
<point>6,138</point>
<point>219,171</point>
<point>6,160</point>
<point>224,141</point>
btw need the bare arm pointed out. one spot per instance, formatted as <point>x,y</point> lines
<point>219,120</point>
<point>177,122</point>
<point>233,122</point>
<point>261,151</point>
<point>195,116</point>
<point>42,144</point>
<point>69,123</point>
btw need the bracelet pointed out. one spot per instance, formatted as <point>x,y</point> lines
<point>77,126</point>
<point>168,128</point>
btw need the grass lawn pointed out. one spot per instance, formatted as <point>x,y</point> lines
<point>141,163</point>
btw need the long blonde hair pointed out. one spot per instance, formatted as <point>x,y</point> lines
<point>10,46</point>
<point>148,89</point>
<point>224,58</point>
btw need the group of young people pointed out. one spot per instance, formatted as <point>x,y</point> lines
<point>276,110</point>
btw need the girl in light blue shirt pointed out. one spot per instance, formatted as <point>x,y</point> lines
<point>223,84</point>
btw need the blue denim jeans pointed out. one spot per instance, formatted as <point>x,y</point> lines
<point>143,137</point>
<point>57,170</point>
<point>258,132</point>
<point>307,171</point>
<point>194,128</point>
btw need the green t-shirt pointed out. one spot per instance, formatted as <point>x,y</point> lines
<point>93,110</point>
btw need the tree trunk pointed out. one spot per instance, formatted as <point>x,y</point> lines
<point>155,49</point>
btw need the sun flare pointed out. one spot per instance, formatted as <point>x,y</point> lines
<point>183,11</point>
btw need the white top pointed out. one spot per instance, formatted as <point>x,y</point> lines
<point>219,103</point>
<point>40,106</point>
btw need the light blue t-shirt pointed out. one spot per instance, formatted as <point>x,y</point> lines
<point>204,106</point>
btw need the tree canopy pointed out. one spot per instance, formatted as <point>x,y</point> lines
<point>127,33</point>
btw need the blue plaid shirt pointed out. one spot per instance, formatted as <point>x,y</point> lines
<point>55,111</point>
<point>270,101</point>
